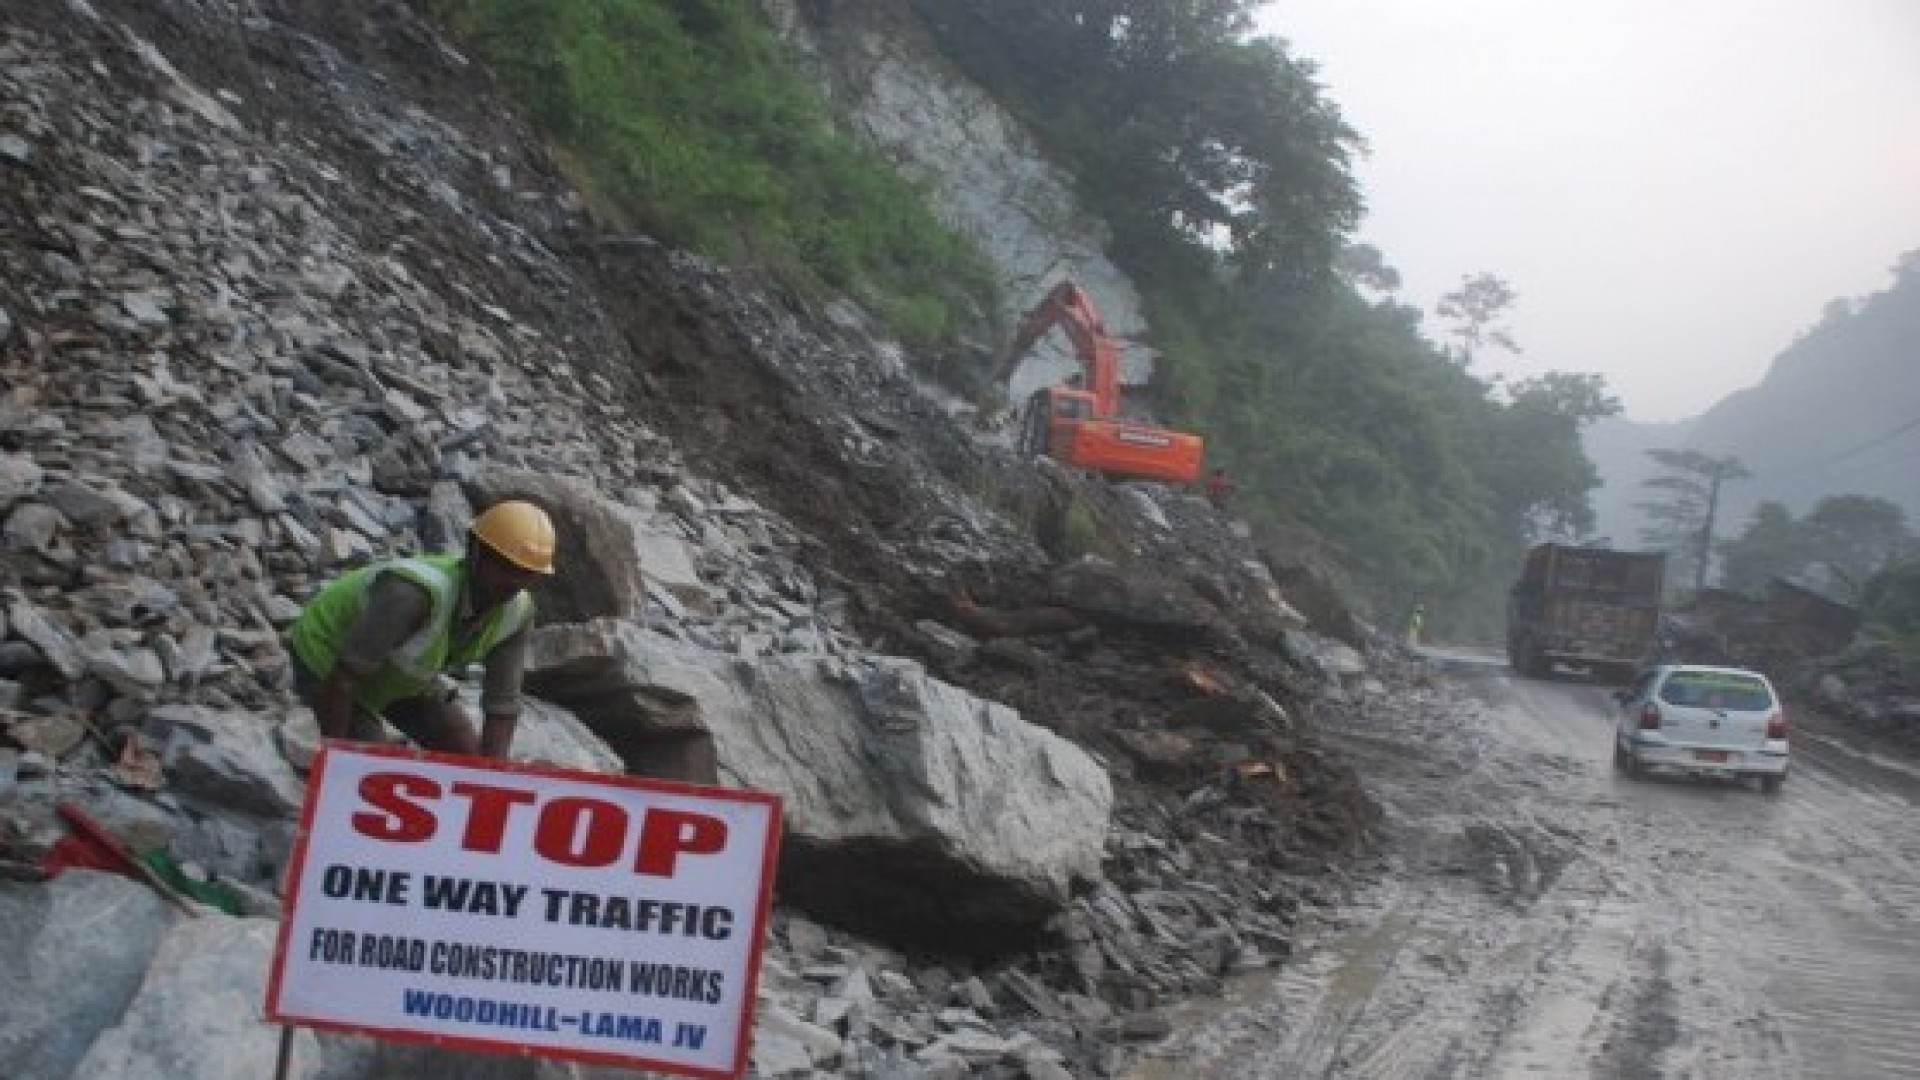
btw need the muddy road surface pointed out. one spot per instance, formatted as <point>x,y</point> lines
<point>1540,915</point>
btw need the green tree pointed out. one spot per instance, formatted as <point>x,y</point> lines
<point>1681,517</point>
<point>1890,600</point>
<point>1365,266</point>
<point>1475,310</point>
<point>1907,265</point>
<point>1773,545</point>
<point>1190,138</point>
<point>1836,548</point>
<point>1539,470</point>
<point>1852,537</point>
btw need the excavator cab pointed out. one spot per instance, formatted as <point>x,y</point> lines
<point>1063,423</point>
<point>1051,415</point>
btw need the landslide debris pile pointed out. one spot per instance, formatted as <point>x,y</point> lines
<point>285,291</point>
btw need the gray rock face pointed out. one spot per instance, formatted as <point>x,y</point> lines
<point>923,811</point>
<point>197,1014</point>
<point>911,807</point>
<point>1105,594</point>
<point>989,179</point>
<point>229,759</point>
<point>65,981</point>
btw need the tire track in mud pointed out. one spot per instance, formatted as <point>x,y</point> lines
<point>1479,958</point>
<point>1544,918</point>
<point>1839,960</point>
<point>1426,982</point>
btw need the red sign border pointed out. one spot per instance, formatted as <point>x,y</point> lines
<point>296,867</point>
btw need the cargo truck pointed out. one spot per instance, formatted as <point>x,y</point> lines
<point>1595,609</point>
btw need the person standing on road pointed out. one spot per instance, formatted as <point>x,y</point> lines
<point>1220,488</point>
<point>379,642</point>
<point>1416,624</point>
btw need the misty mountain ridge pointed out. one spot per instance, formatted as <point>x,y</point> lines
<point>1838,413</point>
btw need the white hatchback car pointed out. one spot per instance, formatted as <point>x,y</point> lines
<point>1705,721</point>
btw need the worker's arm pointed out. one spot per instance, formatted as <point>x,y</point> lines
<point>395,610</point>
<point>500,694</point>
<point>333,706</point>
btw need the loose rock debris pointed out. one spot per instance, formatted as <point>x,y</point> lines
<point>268,316</point>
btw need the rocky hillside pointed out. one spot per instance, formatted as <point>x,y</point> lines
<point>1834,416</point>
<point>987,176</point>
<point>286,289</point>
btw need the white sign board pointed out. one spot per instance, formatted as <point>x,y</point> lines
<point>525,910</point>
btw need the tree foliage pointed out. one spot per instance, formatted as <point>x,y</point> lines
<point>1186,135</point>
<point>1836,548</point>
<point>1773,545</point>
<point>1680,517</point>
<point>1363,265</point>
<point>1890,601</point>
<point>1548,477</point>
<point>1475,310</point>
<point>1225,174</point>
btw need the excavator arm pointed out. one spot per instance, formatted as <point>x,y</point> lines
<point>1068,307</point>
<point>1081,425</point>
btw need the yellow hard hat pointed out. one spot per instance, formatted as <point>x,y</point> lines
<point>518,532</point>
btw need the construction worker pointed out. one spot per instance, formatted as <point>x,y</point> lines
<point>1220,488</point>
<point>1416,624</point>
<point>378,643</point>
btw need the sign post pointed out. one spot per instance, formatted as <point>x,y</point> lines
<point>527,910</point>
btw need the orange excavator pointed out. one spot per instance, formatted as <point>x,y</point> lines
<point>1078,424</point>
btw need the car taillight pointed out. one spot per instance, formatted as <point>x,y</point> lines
<point>1777,726</point>
<point>1649,717</point>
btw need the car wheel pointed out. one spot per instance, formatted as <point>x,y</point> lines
<point>1771,784</point>
<point>1623,760</point>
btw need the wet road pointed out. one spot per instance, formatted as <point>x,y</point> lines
<point>1543,916</point>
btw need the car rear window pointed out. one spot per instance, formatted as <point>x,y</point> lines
<point>1716,690</point>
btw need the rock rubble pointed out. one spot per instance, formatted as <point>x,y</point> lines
<point>262,318</point>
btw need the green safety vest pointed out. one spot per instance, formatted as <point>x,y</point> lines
<point>410,671</point>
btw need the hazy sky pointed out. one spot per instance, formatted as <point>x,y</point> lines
<point>1674,188</point>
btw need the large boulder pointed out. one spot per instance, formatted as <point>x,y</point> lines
<point>602,543</point>
<point>1140,602</point>
<point>198,1013</point>
<point>913,809</point>
<point>76,949</point>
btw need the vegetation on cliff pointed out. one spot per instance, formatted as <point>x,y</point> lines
<point>1228,187</point>
<point>685,120</point>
